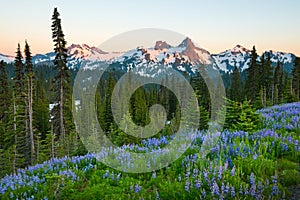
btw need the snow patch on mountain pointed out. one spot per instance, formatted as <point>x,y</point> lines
<point>239,56</point>
<point>6,58</point>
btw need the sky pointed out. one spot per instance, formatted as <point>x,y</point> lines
<point>215,25</point>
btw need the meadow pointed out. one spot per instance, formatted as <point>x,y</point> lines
<point>260,165</point>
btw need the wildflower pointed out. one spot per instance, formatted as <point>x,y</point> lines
<point>154,175</point>
<point>215,189</point>
<point>232,171</point>
<point>197,184</point>
<point>252,179</point>
<point>137,188</point>
<point>232,191</point>
<point>106,174</point>
<point>195,173</point>
<point>187,186</point>
<point>203,193</point>
<point>274,190</point>
<point>220,172</point>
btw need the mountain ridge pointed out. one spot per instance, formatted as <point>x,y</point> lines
<point>163,53</point>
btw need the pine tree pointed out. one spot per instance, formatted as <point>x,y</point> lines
<point>41,110</point>
<point>296,77</point>
<point>267,74</point>
<point>235,88</point>
<point>4,105</point>
<point>29,97</point>
<point>252,83</point>
<point>4,92</point>
<point>278,81</point>
<point>20,127</point>
<point>62,120</point>
<point>19,71</point>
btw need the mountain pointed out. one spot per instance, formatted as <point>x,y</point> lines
<point>286,58</point>
<point>6,58</point>
<point>239,56</point>
<point>184,57</point>
<point>152,62</point>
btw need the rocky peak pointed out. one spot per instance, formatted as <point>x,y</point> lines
<point>160,45</point>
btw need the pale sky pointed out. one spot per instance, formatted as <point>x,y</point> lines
<point>215,25</point>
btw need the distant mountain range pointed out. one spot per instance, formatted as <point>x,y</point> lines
<point>184,57</point>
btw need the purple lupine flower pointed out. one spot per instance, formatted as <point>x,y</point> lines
<point>106,174</point>
<point>222,188</point>
<point>203,193</point>
<point>232,171</point>
<point>274,178</point>
<point>275,190</point>
<point>232,192</point>
<point>253,190</point>
<point>137,188</point>
<point>226,166</point>
<point>260,187</point>
<point>227,188</point>
<point>215,189</point>
<point>220,173</point>
<point>252,179</point>
<point>197,184</point>
<point>187,186</point>
<point>241,190</point>
<point>195,173</point>
<point>246,192</point>
<point>187,174</point>
<point>205,176</point>
<point>254,157</point>
<point>154,175</point>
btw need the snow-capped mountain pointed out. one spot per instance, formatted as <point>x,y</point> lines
<point>77,54</point>
<point>184,57</point>
<point>6,58</point>
<point>238,56</point>
<point>286,59</point>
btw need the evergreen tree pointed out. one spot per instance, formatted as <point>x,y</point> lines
<point>235,92</point>
<point>20,123</point>
<point>252,83</point>
<point>267,74</point>
<point>278,82</point>
<point>19,71</point>
<point>62,121</point>
<point>4,104</point>
<point>29,97</point>
<point>41,110</point>
<point>296,77</point>
<point>4,92</point>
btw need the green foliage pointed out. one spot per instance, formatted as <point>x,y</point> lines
<point>241,116</point>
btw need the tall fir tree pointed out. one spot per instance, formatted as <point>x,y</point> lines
<point>4,104</point>
<point>278,84</point>
<point>19,71</point>
<point>235,92</point>
<point>29,98</point>
<point>252,83</point>
<point>296,77</point>
<point>4,92</point>
<point>267,74</point>
<point>62,111</point>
